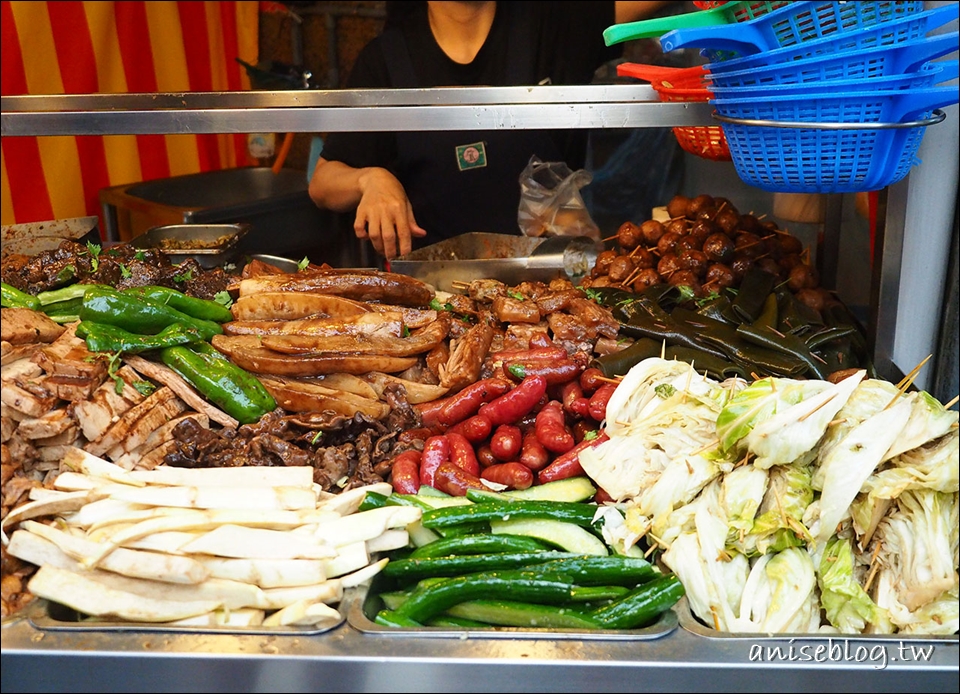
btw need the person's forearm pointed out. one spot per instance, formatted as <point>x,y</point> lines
<point>335,186</point>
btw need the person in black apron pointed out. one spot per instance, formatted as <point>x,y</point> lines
<point>416,188</point>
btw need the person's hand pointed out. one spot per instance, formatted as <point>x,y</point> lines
<point>385,215</point>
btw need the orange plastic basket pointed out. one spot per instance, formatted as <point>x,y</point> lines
<point>684,84</point>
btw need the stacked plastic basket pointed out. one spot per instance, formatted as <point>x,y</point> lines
<point>687,84</point>
<point>827,97</point>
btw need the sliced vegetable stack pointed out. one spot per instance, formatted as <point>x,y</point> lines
<point>506,560</point>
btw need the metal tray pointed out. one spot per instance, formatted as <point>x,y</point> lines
<point>51,616</point>
<point>211,245</point>
<point>362,604</point>
<point>33,238</point>
<point>509,259</point>
<point>691,623</point>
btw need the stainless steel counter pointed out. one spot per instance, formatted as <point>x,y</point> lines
<point>346,659</point>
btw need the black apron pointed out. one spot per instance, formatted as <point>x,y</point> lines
<point>465,181</point>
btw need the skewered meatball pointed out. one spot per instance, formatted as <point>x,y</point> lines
<point>621,268</point>
<point>629,236</point>
<point>677,207</point>
<point>668,243</point>
<point>698,203</point>
<point>652,230</point>
<point>643,258</point>
<point>719,248</point>
<point>645,279</point>
<point>602,264</point>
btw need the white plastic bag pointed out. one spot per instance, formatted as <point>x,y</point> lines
<point>550,201</point>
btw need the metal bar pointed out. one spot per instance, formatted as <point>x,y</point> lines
<point>446,96</point>
<point>885,281</point>
<point>355,119</point>
<point>828,246</point>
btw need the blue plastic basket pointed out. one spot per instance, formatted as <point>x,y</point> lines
<point>927,76</point>
<point>906,29</point>
<point>829,143</point>
<point>795,23</point>
<point>864,64</point>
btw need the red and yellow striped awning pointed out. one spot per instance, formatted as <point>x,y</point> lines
<point>116,47</point>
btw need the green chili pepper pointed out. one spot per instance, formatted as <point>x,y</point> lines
<point>70,307</point>
<point>192,306</point>
<point>233,390</point>
<point>11,297</point>
<point>72,291</point>
<point>101,337</point>
<point>139,315</point>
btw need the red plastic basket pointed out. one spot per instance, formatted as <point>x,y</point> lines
<point>684,84</point>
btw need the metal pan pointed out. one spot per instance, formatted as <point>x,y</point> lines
<point>211,245</point>
<point>361,605</point>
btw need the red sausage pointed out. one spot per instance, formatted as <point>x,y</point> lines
<point>436,450</point>
<point>551,428</point>
<point>405,472</point>
<point>581,407</point>
<point>455,481</point>
<point>590,379</point>
<point>513,475</point>
<point>553,372</point>
<point>532,453</point>
<point>485,456</point>
<point>429,412</point>
<point>582,428</point>
<point>602,496</point>
<point>464,404</point>
<point>570,392</point>
<point>505,442</point>
<point>462,454</point>
<point>513,405</point>
<point>568,464</point>
<point>599,400</point>
<point>476,428</point>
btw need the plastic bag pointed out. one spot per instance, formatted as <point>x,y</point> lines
<point>550,201</point>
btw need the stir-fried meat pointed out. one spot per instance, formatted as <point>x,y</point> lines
<point>597,319</point>
<point>119,266</point>
<point>510,310</point>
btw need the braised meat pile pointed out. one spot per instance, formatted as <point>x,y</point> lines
<point>120,266</point>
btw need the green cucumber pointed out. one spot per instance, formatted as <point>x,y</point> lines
<point>642,605</point>
<point>460,565</point>
<point>427,490</point>
<point>510,613</point>
<point>572,489</point>
<point>429,501</point>
<point>576,513</point>
<point>479,544</point>
<point>598,595</point>
<point>390,618</point>
<point>602,571</point>
<point>428,602</point>
<point>566,536</point>
<point>446,620</point>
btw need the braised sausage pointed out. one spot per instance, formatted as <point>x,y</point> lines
<point>532,453</point>
<point>551,428</point>
<point>436,451</point>
<point>405,472</point>
<point>462,454</point>
<point>514,404</point>
<point>506,442</point>
<point>476,428</point>
<point>455,481</point>
<point>513,475</point>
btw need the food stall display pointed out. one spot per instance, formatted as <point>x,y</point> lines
<point>343,372</point>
